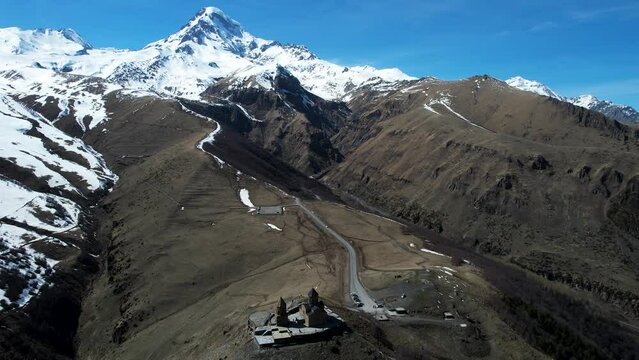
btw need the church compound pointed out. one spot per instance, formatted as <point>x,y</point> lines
<point>300,320</point>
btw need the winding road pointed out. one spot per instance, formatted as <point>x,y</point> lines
<point>356,286</point>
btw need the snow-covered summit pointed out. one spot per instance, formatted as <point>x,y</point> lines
<point>585,101</point>
<point>211,46</point>
<point>532,86</point>
<point>210,27</point>
<point>621,113</point>
<point>15,41</point>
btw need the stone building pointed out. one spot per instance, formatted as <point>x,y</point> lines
<point>313,310</point>
<point>302,319</point>
<point>281,315</point>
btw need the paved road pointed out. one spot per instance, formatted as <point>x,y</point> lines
<point>356,285</point>
<point>354,282</point>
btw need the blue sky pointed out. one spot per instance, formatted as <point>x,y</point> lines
<point>573,46</point>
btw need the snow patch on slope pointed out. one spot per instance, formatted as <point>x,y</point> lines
<point>444,100</point>
<point>44,211</point>
<point>433,252</point>
<point>429,108</point>
<point>273,227</point>
<point>246,199</point>
<point>24,270</point>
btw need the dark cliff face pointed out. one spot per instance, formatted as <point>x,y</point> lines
<point>623,114</point>
<point>623,208</point>
<point>288,121</point>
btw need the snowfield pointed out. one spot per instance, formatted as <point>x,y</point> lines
<point>29,207</point>
<point>78,96</point>
<point>27,151</point>
<point>69,168</point>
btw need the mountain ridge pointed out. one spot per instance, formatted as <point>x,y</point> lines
<point>19,41</point>
<point>210,46</point>
<point>622,113</point>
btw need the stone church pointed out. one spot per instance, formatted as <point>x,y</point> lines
<point>313,310</point>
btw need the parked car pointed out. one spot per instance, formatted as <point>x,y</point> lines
<point>401,311</point>
<point>356,299</point>
<point>448,315</point>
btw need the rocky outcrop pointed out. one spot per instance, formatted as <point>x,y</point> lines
<point>557,268</point>
<point>285,119</point>
<point>623,208</point>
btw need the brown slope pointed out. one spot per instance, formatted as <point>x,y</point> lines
<point>540,183</point>
<point>490,175</point>
<point>177,286</point>
<point>180,283</point>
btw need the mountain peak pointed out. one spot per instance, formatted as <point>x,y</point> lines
<point>210,11</point>
<point>17,41</point>
<point>211,27</point>
<point>73,35</point>
<point>621,113</point>
<point>532,86</point>
<point>586,101</point>
<point>215,17</point>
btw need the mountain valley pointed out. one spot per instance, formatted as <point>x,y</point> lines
<point>133,182</point>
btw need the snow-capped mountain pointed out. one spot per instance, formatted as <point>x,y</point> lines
<point>43,41</point>
<point>209,47</point>
<point>532,86</point>
<point>54,66</point>
<point>622,113</point>
<point>49,177</point>
<point>212,46</point>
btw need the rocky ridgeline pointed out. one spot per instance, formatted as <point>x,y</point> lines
<point>622,299</point>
